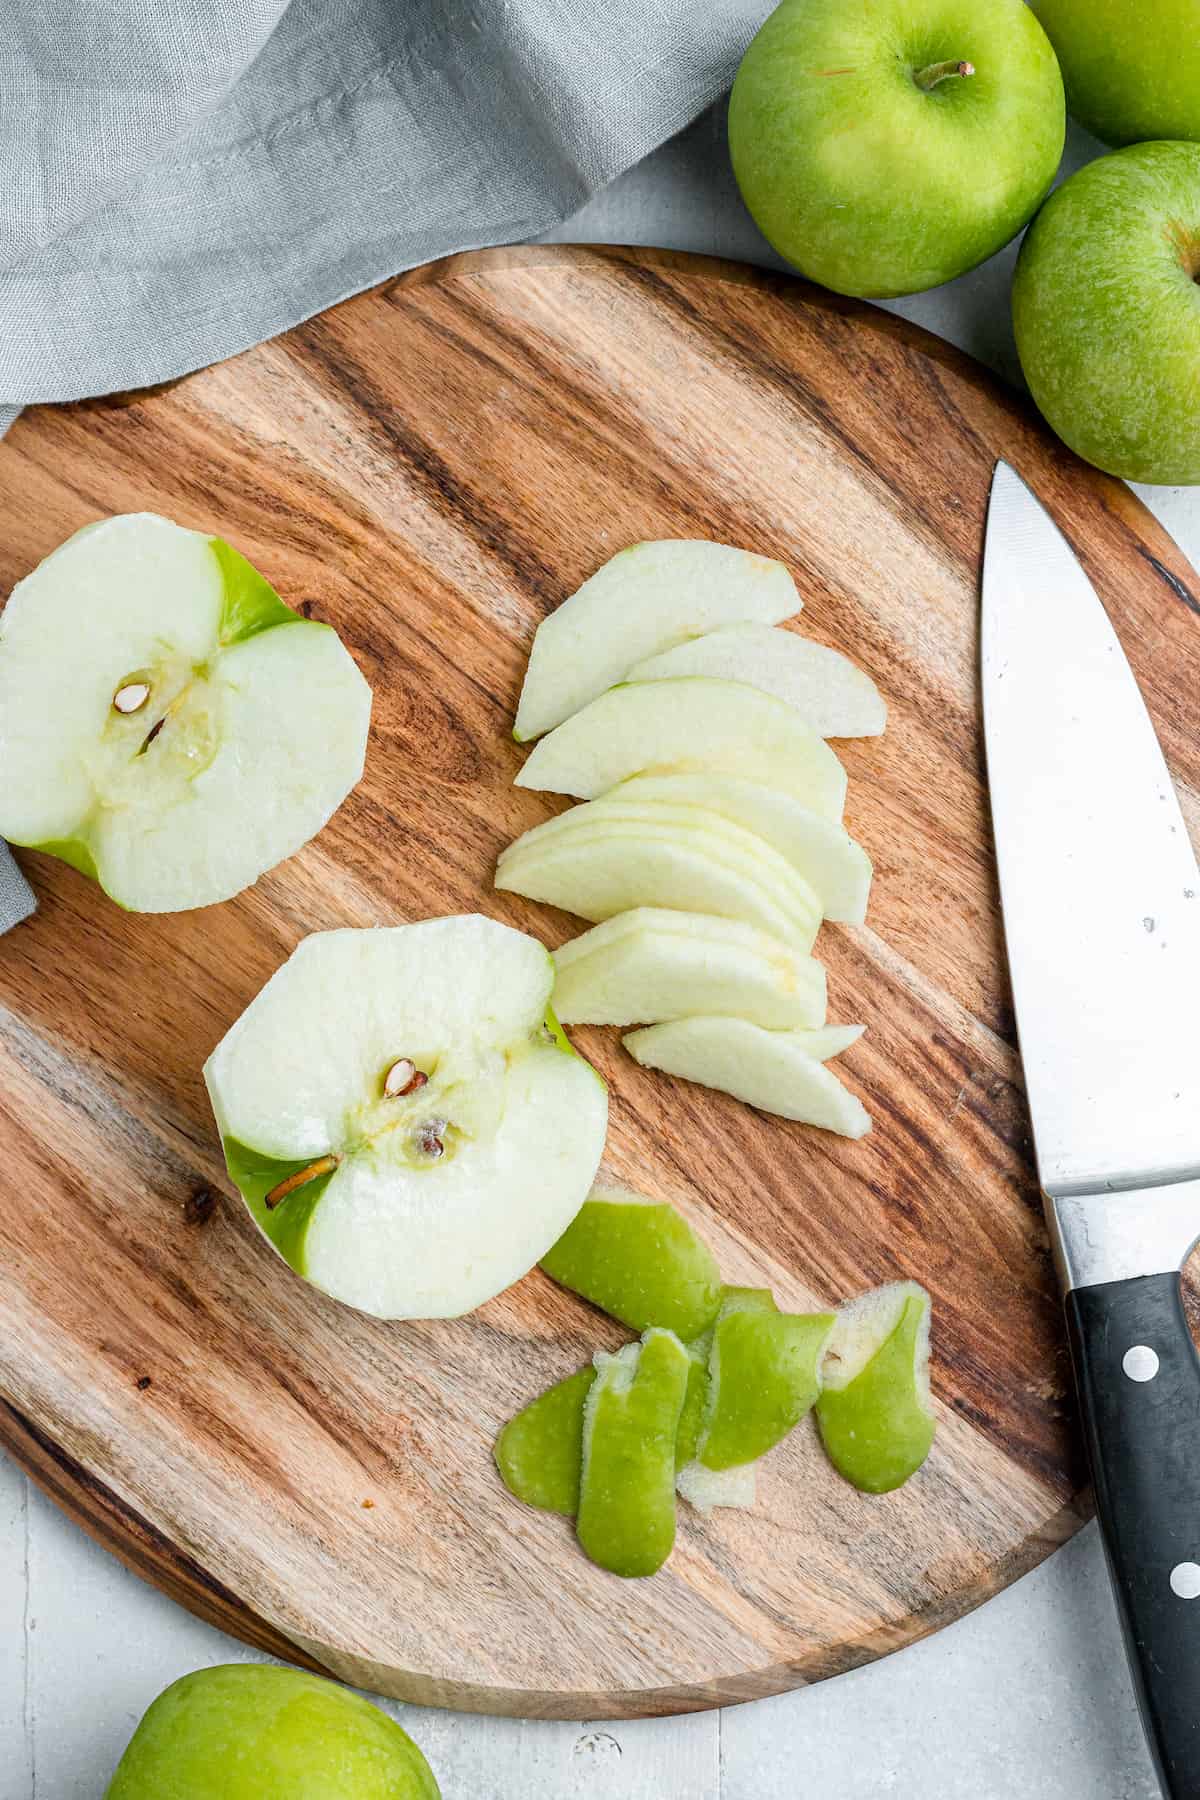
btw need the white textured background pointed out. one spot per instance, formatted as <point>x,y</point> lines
<point>1027,1698</point>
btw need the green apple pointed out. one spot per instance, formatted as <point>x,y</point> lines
<point>828,691</point>
<point>890,145</point>
<point>768,1069</point>
<point>643,600</point>
<point>874,1412</point>
<point>639,1261</point>
<point>816,846</point>
<point>1106,310</point>
<point>405,1122</point>
<point>247,1732</point>
<point>626,1519</point>
<point>763,1376</point>
<point>696,723</point>
<point>680,859</point>
<point>167,725</point>
<point>1132,71</point>
<point>652,963</point>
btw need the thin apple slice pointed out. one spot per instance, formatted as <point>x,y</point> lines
<point>875,1414</point>
<point>642,600</point>
<point>677,727</point>
<point>651,965</point>
<point>834,695</point>
<point>827,1041</point>
<point>639,1261</point>
<point>767,1069</point>
<point>626,1520</point>
<point>596,870</point>
<point>817,847</point>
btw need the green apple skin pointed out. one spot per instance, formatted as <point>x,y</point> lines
<point>871,183</point>
<point>626,1520</point>
<point>243,1732</point>
<point>1106,312</point>
<point>640,1262</point>
<point>764,1375</point>
<point>1131,67</point>
<point>879,1428</point>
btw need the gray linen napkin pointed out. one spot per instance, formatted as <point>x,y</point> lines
<point>180,179</point>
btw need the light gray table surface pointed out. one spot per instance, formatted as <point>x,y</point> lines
<point>1027,1697</point>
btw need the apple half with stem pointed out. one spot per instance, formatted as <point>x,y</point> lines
<point>643,600</point>
<point>404,1118</point>
<point>832,694</point>
<point>695,723</point>
<point>167,725</point>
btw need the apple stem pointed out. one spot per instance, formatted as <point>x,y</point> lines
<point>929,78</point>
<point>324,1165</point>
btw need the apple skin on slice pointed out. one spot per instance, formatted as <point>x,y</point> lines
<point>690,725</point>
<point>764,1374</point>
<point>642,600</point>
<point>167,725</point>
<point>652,963</point>
<point>419,1200</point>
<point>831,693</point>
<point>639,1261</point>
<point>767,1069</point>
<point>626,1518</point>
<point>875,1414</point>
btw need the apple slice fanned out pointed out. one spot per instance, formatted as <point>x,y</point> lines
<point>643,600</point>
<point>652,964</point>
<point>830,693</point>
<point>405,1123</point>
<point>689,864</point>
<point>167,724</point>
<point>693,724</point>
<point>768,1069</point>
<point>816,846</point>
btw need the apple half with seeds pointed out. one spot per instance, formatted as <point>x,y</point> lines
<point>167,725</point>
<point>403,1116</point>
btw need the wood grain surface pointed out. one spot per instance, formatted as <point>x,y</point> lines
<point>432,467</point>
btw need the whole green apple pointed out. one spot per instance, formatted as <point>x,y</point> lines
<point>247,1732</point>
<point>1107,312</point>
<point>884,146</point>
<point>1131,67</point>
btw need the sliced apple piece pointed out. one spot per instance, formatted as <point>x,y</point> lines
<point>676,727</point>
<point>167,725</point>
<point>837,698</point>
<point>875,1414</point>
<point>817,847</point>
<point>596,869</point>
<point>767,1069</point>
<point>827,1041</point>
<point>642,600</point>
<point>653,964</point>
<point>404,1127</point>
<point>764,1374</point>
<point>638,1260</point>
<point>626,1519</point>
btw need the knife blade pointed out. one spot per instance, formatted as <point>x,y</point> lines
<point>1101,900</point>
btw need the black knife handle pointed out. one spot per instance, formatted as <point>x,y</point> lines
<point>1139,1385</point>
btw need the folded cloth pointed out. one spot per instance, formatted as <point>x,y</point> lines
<point>16,895</point>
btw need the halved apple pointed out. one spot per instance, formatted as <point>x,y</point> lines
<point>167,724</point>
<point>817,847</point>
<point>654,964</point>
<point>677,727</point>
<point>642,600</point>
<point>875,1414</point>
<point>406,1122</point>
<point>837,698</point>
<point>767,1069</point>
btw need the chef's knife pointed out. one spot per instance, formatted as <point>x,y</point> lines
<point>1101,900</point>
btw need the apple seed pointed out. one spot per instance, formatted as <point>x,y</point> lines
<point>403,1077</point>
<point>132,697</point>
<point>428,1138</point>
<point>324,1165</point>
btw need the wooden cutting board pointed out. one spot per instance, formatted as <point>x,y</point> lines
<point>433,467</point>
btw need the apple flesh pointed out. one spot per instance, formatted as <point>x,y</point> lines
<point>167,725</point>
<point>875,1414</point>
<point>695,723</point>
<point>828,691</point>
<point>626,1519</point>
<point>249,1732</point>
<point>1106,310</point>
<point>639,1261</point>
<point>768,1069</point>
<point>887,147</point>
<point>815,845</point>
<point>643,600</point>
<point>1132,73</point>
<point>405,1126</point>
<point>704,1489</point>
<point>652,963</point>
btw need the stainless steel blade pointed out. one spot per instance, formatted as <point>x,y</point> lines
<point>1098,879</point>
